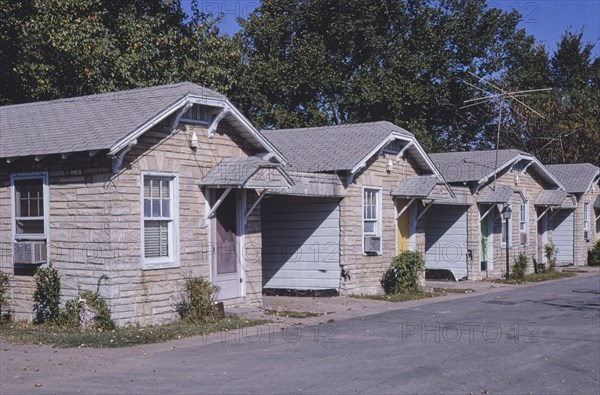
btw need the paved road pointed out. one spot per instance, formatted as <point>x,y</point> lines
<point>539,339</point>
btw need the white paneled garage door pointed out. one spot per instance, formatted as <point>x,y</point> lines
<point>562,236</point>
<point>446,239</point>
<point>301,243</point>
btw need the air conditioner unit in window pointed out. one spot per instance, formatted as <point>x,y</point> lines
<point>29,252</point>
<point>372,244</point>
<point>523,238</point>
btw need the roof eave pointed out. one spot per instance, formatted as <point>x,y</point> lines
<point>595,180</point>
<point>397,136</point>
<point>195,99</point>
<point>517,158</point>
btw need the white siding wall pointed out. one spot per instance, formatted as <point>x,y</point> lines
<point>301,239</point>
<point>562,236</point>
<point>446,239</point>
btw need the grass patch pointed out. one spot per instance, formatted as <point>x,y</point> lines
<point>534,278</point>
<point>292,314</point>
<point>405,297</point>
<point>26,333</point>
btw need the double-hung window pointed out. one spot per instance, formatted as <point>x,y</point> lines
<point>30,202</point>
<point>523,227</point>
<point>372,220</point>
<point>586,220</point>
<point>159,221</point>
<point>504,235</point>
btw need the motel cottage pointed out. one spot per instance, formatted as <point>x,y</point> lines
<point>138,190</point>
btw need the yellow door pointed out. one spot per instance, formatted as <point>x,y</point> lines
<point>402,225</point>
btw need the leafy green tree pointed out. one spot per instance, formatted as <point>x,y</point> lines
<point>569,131</point>
<point>320,62</point>
<point>63,48</point>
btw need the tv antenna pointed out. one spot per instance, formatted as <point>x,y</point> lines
<point>503,98</point>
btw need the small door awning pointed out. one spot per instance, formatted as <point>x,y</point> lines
<point>426,187</point>
<point>462,196</point>
<point>247,173</point>
<point>415,186</point>
<point>597,202</point>
<point>555,198</point>
<point>499,194</point>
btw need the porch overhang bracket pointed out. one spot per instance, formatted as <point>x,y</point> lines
<point>527,166</point>
<point>487,212</point>
<point>410,202</point>
<point>352,174</point>
<point>427,207</point>
<point>215,123</point>
<point>403,150</point>
<point>214,208</point>
<point>117,160</point>
<point>480,184</point>
<point>543,213</point>
<point>261,195</point>
<point>178,116</point>
<point>554,212</point>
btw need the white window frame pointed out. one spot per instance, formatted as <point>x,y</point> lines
<point>510,228</point>
<point>46,204</point>
<point>378,220</point>
<point>172,260</point>
<point>194,120</point>
<point>586,218</point>
<point>524,221</point>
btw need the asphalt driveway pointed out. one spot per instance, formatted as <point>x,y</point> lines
<point>537,339</point>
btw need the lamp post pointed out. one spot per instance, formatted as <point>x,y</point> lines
<point>506,214</point>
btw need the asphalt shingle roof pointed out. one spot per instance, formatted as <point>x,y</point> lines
<point>416,186</point>
<point>462,195</point>
<point>551,198</point>
<point>85,123</point>
<point>502,194</point>
<point>236,172</point>
<point>330,148</point>
<point>472,165</point>
<point>575,177</point>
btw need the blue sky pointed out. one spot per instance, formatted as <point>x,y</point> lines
<point>544,19</point>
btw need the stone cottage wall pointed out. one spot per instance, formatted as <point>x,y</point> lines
<point>95,224</point>
<point>364,272</point>
<point>581,245</point>
<point>79,222</point>
<point>530,185</point>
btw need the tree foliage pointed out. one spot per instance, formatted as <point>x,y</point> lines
<point>569,131</point>
<point>324,61</point>
<point>64,48</point>
<point>302,63</point>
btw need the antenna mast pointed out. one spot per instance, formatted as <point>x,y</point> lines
<point>503,98</point>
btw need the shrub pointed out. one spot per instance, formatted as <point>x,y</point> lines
<point>403,274</point>
<point>97,302</point>
<point>5,311</point>
<point>519,268</point>
<point>69,317</point>
<point>197,301</point>
<point>46,297</point>
<point>550,252</point>
<point>594,256</point>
